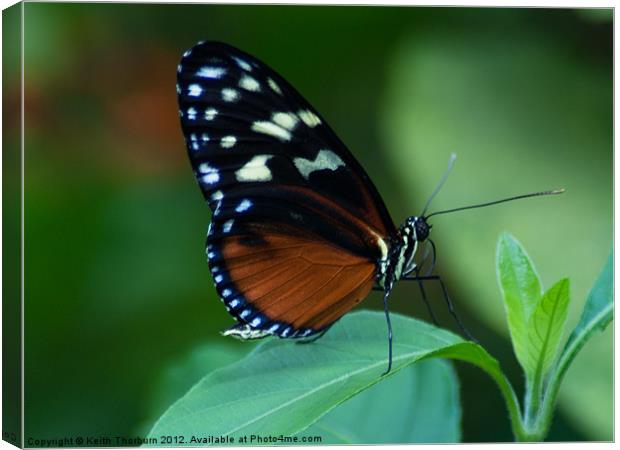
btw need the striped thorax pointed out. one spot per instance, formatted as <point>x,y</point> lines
<point>400,259</point>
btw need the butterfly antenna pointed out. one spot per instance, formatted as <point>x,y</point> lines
<point>444,177</point>
<point>495,202</point>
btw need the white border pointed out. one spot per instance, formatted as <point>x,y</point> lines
<point>480,3</point>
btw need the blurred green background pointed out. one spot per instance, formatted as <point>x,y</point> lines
<point>117,288</point>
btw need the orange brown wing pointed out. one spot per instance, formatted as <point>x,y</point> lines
<point>291,286</point>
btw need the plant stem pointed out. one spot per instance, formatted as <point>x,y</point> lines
<point>533,397</point>
<point>523,430</point>
<point>492,368</point>
<point>512,403</point>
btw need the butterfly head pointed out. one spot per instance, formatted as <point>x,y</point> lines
<point>420,228</point>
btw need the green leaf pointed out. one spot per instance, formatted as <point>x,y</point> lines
<point>281,388</point>
<point>521,290</point>
<point>419,404</point>
<point>598,311</point>
<point>180,375</point>
<point>545,328</point>
<point>597,314</point>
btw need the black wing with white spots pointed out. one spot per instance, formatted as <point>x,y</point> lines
<point>245,126</point>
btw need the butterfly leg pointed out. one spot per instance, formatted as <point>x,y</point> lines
<point>448,302</point>
<point>452,311</point>
<point>389,325</point>
<point>432,267</point>
<point>425,299</point>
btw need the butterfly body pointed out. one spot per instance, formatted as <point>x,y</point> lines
<point>401,256</point>
<point>299,234</point>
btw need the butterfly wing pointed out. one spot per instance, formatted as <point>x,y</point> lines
<point>276,281</point>
<point>294,214</point>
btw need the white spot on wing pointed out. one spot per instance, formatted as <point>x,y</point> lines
<point>243,64</point>
<point>285,120</point>
<point>218,278</point>
<point>273,328</point>
<point>211,72</point>
<point>256,322</point>
<point>245,332</point>
<point>194,90</point>
<point>234,303</point>
<point>245,313</point>
<point>210,175</point>
<point>230,95</point>
<point>228,225</point>
<point>193,138</point>
<point>210,113</point>
<point>273,85</point>
<point>309,118</point>
<point>228,141</point>
<point>217,195</point>
<point>248,83</point>
<point>191,113</point>
<point>271,129</point>
<point>325,160</point>
<point>255,170</point>
<point>226,293</point>
<point>244,205</point>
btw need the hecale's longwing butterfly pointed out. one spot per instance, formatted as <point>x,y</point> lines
<point>299,234</point>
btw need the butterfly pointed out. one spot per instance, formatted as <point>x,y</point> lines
<point>299,234</point>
